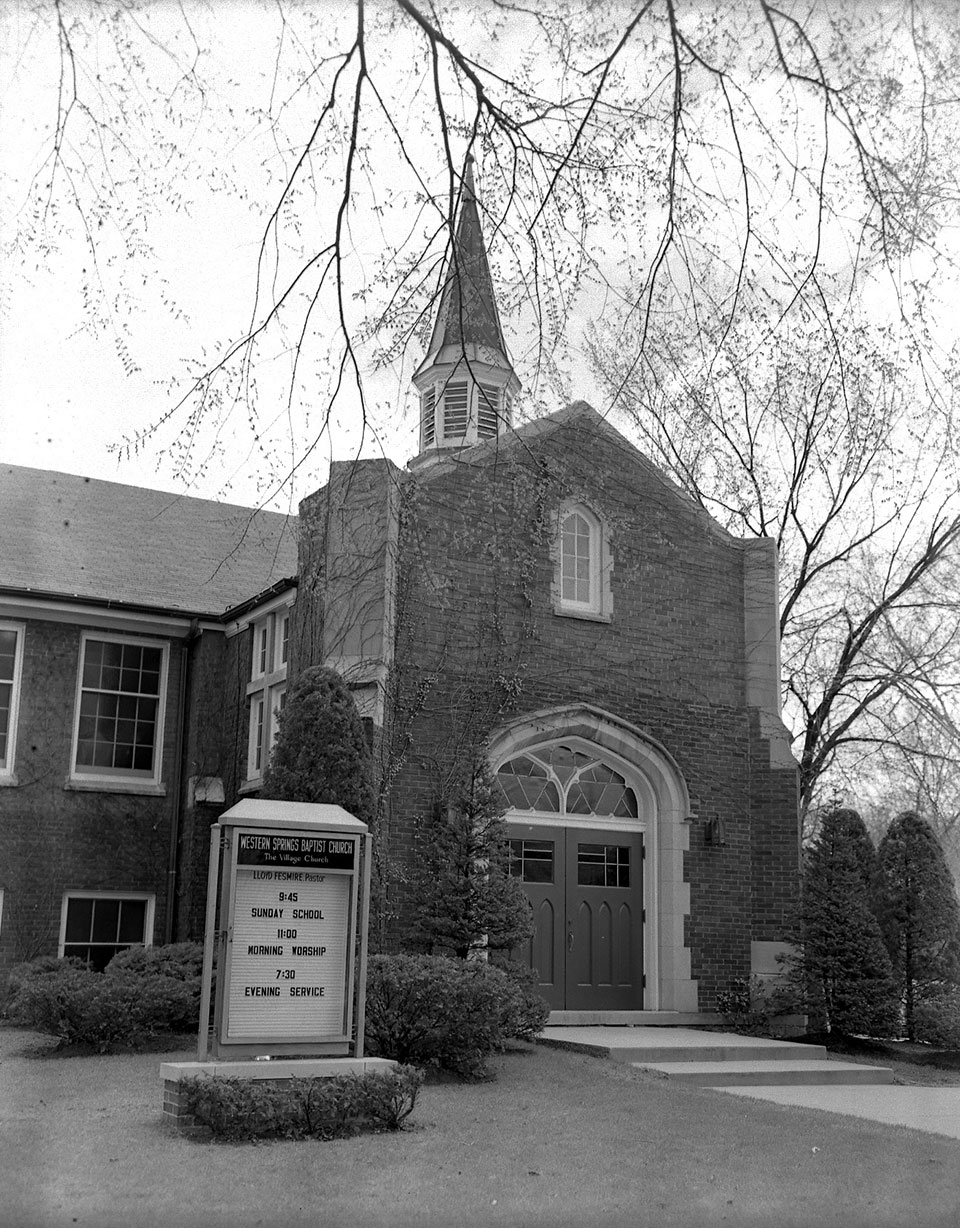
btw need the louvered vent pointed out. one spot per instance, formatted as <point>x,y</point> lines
<point>455,410</point>
<point>488,405</point>
<point>428,417</point>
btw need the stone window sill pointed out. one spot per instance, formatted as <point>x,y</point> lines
<point>143,788</point>
<point>588,616</point>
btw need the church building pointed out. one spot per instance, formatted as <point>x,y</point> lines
<point>540,594</point>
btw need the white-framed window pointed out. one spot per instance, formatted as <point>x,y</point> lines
<point>96,925</point>
<point>267,689</point>
<point>11,663</point>
<point>582,564</point>
<point>121,693</point>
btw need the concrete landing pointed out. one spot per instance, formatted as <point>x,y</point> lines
<point>658,1044</point>
<point>715,1059</point>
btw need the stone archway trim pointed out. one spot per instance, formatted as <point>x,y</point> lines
<point>669,983</point>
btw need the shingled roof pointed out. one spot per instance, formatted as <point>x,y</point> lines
<point>73,537</point>
<point>467,316</point>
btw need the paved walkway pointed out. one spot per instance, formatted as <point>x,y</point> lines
<point>935,1110</point>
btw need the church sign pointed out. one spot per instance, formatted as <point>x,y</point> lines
<point>292,890</point>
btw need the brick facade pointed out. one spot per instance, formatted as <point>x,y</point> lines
<point>434,592</point>
<point>55,837</point>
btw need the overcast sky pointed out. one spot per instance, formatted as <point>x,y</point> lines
<point>68,391</point>
<point>78,379</point>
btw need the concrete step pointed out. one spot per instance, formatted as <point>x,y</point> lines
<point>788,1073</point>
<point>634,1019</point>
<point>760,1052</point>
<point>656,1044</point>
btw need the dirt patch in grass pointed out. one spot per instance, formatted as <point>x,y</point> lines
<point>558,1139</point>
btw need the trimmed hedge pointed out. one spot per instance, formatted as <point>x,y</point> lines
<point>143,992</point>
<point>431,1010</point>
<point>240,1109</point>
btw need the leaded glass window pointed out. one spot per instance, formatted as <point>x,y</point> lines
<point>561,779</point>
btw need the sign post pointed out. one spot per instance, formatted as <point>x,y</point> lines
<point>292,882</point>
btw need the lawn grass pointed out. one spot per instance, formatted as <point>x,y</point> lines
<point>558,1139</point>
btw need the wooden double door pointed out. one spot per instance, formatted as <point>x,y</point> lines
<point>586,889</point>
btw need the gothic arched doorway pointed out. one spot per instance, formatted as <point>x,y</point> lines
<point>594,821</point>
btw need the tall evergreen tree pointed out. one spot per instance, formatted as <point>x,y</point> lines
<point>467,899</point>
<point>844,969</point>
<point>850,828</point>
<point>321,754</point>
<point>923,919</point>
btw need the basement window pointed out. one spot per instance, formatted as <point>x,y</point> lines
<point>96,925</point>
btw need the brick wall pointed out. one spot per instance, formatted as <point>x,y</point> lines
<point>55,839</point>
<point>478,643</point>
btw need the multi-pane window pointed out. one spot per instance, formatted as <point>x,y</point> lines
<point>455,409</point>
<point>582,575</point>
<point>603,865</point>
<point>120,709</point>
<point>576,561</point>
<point>532,860</point>
<point>559,779</point>
<point>267,688</point>
<point>95,927</point>
<point>11,641</point>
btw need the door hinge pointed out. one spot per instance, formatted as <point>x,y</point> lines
<point>643,981</point>
<point>643,852</point>
<point>643,916</point>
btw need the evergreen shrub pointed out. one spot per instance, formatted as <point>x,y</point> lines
<point>450,1014</point>
<point>142,993</point>
<point>525,1012</point>
<point>467,900</point>
<point>241,1109</point>
<point>842,977</point>
<point>937,1019</point>
<point>922,925</point>
<point>746,1007</point>
<point>20,974</point>
<point>321,753</point>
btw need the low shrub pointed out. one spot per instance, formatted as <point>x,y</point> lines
<point>83,1007</point>
<point>181,960</point>
<point>241,1109</point>
<point>142,993</point>
<point>746,1006</point>
<point>937,1019</point>
<point>171,976</point>
<point>431,1010</point>
<point>524,1011</point>
<point>20,974</point>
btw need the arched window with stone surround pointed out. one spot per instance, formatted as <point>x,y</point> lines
<point>582,578</point>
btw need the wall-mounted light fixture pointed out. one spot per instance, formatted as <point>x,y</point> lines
<point>713,833</point>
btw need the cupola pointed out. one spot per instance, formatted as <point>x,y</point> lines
<point>466,381</point>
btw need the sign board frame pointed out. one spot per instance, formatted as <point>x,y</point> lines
<point>282,965</point>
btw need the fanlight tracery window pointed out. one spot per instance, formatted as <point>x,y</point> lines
<point>562,780</point>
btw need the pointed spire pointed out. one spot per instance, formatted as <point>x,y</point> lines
<point>466,381</point>
<point>467,315</point>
